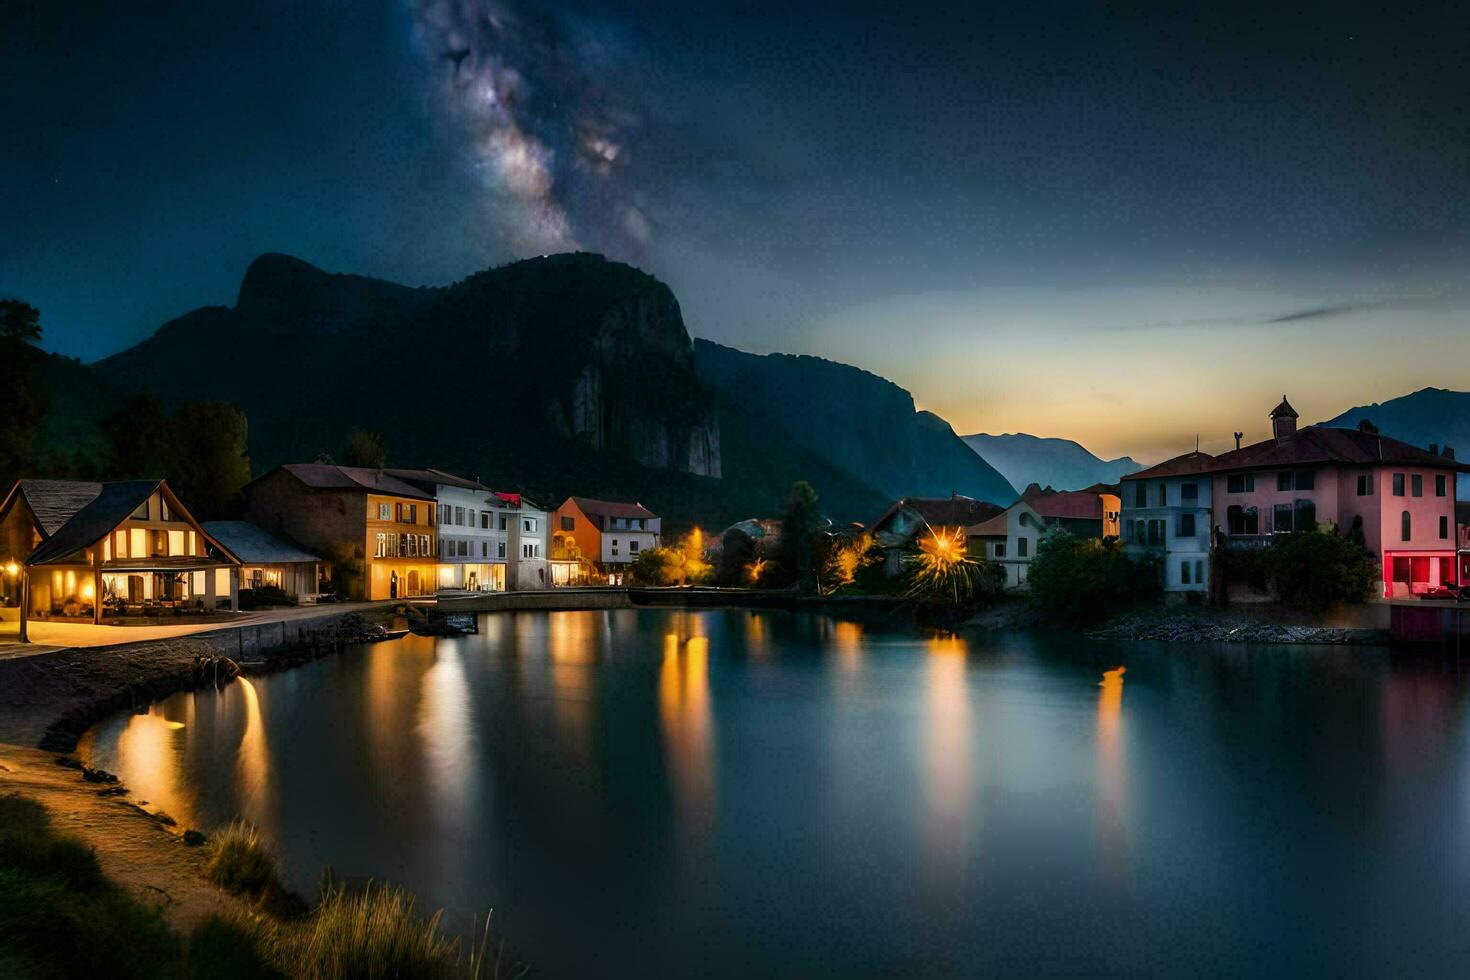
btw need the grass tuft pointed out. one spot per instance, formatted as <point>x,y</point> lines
<point>374,932</point>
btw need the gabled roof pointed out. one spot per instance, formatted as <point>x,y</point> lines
<point>955,510</point>
<point>1073,504</point>
<point>111,506</point>
<point>359,479</point>
<point>608,508</point>
<point>1189,463</point>
<point>256,546</point>
<point>433,477</point>
<point>1325,444</point>
<point>995,527</point>
<point>53,502</point>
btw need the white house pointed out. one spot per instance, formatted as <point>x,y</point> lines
<point>472,522</point>
<point>527,523</point>
<point>1009,540</point>
<point>1166,512</point>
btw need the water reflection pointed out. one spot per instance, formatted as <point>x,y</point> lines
<point>684,720</point>
<point>446,726</point>
<point>1111,773</point>
<point>253,771</point>
<point>947,768</point>
<point>153,743</point>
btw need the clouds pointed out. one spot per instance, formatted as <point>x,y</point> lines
<point>542,110</point>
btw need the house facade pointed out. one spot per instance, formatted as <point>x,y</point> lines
<point>1009,541</point>
<point>377,531</point>
<point>85,551</point>
<point>1167,512</point>
<point>529,525</point>
<point>609,533</point>
<point>1398,497</point>
<point>473,525</point>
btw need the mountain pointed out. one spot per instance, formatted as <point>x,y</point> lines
<point>557,375</point>
<point>862,427</point>
<point>1061,463</point>
<point>1430,415</point>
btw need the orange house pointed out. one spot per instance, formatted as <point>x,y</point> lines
<point>609,533</point>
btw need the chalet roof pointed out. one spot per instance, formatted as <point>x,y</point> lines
<point>1284,409</point>
<point>1325,444</point>
<point>956,510</point>
<point>433,477</point>
<point>1189,463</point>
<point>1111,488</point>
<point>359,479</point>
<point>111,506</point>
<point>1074,504</point>
<point>608,508</point>
<point>54,502</point>
<point>256,546</point>
<point>995,527</point>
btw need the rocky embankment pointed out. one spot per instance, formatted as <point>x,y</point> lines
<point>1183,624</point>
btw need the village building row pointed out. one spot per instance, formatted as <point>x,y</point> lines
<point>91,551</point>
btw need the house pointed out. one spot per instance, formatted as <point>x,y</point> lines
<point>474,529</point>
<point>1009,541</point>
<point>528,524</point>
<point>896,530</point>
<point>609,533</point>
<point>1462,534</point>
<point>83,550</point>
<point>267,560</point>
<point>1111,497</point>
<point>1400,498</point>
<point>377,531</point>
<point>1166,512</point>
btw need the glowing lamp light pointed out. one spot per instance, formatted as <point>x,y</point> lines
<point>11,568</point>
<point>88,591</point>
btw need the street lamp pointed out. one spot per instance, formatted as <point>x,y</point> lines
<point>12,569</point>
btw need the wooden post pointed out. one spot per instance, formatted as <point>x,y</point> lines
<point>25,602</point>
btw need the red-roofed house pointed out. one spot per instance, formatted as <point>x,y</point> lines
<point>898,527</point>
<point>1400,497</point>
<point>606,532</point>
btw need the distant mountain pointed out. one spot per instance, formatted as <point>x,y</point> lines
<point>862,426</point>
<point>1430,415</point>
<point>1060,463</point>
<point>557,375</point>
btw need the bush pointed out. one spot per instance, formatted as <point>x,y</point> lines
<point>264,597</point>
<point>1080,581</point>
<point>240,863</point>
<point>1317,570</point>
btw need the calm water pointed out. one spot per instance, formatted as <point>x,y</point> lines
<point>744,793</point>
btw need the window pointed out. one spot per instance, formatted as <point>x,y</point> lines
<point>568,523</point>
<point>141,513</point>
<point>1439,484</point>
<point>528,525</point>
<point>1163,495</point>
<point>1199,571</point>
<point>632,547</point>
<point>1184,573</point>
<point>500,549</point>
<point>459,516</point>
<point>1241,483</point>
<point>484,520</point>
<point>1283,480</point>
<point>614,546</point>
<point>504,522</point>
<point>385,512</point>
<point>1444,526</point>
<point>1000,549</point>
<point>1282,518</point>
<point>1186,525</point>
<point>1305,518</point>
<point>1296,480</point>
<point>1140,494</point>
<point>1189,491</point>
<point>1022,544</point>
<point>1406,530</point>
<point>1365,485</point>
<point>1416,483</point>
<point>1398,484</point>
<point>1241,520</point>
<point>531,549</point>
<point>484,549</point>
<point>1156,532</point>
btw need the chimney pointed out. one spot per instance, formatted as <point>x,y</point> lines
<point>1237,439</point>
<point>1449,452</point>
<point>1283,420</point>
<point>1434,449</point>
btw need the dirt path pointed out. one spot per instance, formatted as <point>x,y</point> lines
<point>135,850</point>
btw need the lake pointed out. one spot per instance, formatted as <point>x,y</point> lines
<point>750,793</point>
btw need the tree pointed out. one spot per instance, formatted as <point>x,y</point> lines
<point>210,458</point>
<point>651,567</point>
<point>24,399</point>
<point>796,555</point>
<point>842,559</point>
<point>137,434</point>
<point>365,448</point>
<point>1080,581</point>
<point>1317,570</point>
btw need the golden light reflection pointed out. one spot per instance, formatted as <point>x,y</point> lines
<point>685,722</point>
<point>1111,773</point>
<point>574,651</point>
<point>757,644</point>
<point>848,640</point>
<point>947,767</point>
<point>151,745</point>
<point>253,774</point>
<point>446,727</point>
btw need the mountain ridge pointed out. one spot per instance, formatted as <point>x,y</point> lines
<point>1064,464</point>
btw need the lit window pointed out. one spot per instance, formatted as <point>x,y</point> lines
<point>385,512</point>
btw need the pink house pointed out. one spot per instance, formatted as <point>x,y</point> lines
<point>1401,497</point>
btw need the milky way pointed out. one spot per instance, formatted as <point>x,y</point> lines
<point>541,107</point>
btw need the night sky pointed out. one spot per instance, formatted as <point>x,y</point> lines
<point>1113,222</point>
